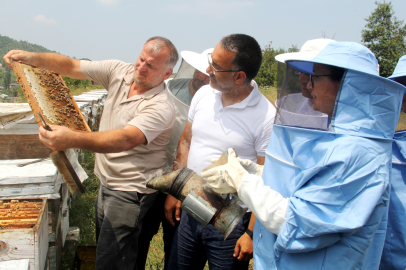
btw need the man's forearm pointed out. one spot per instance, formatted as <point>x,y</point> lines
<point>182,152</point>
<point>111,141</point>
<point>252,222</point>
<point>58,63</point>
<point>181,156</point>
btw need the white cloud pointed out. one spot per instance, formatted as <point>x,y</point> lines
<point>42,19</point>
<point>108,2</point>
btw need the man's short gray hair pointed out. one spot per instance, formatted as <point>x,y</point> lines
<point>161,42</point>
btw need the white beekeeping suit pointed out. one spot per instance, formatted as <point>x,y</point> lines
<point>191,61</point>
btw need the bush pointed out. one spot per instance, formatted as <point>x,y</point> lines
<point>268,72</point>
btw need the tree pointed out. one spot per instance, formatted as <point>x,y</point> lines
<point>385,36</point>
<point>76,83</point>
<point>7,78</point>
<point>267,74</point>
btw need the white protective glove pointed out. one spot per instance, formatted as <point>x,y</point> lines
<point>251,167</point>
<point>226,178</point>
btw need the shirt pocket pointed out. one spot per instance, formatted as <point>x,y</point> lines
<point>125,112</point>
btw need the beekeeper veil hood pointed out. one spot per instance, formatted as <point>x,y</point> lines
<point>400,70</point>
<point>192,72</point>
<point>294,103</point>
<point>193,66</point>
<point>344,84</point>
<point>399,75</point>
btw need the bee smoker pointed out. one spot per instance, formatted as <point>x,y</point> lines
<point>199,201</point>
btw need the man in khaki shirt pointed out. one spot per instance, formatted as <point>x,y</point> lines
<point>130,146</point>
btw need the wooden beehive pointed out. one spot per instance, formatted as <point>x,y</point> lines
<point>24,231</point>
<point>19,141</point>
<point>39,179</point>
<point>48,94</point>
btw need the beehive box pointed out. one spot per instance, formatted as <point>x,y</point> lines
<point>19,133</point>
<point>13,112</point>
<point>24,231</point>
<point>41,179</point>
<point>38,179</point>
<point>95,100</point>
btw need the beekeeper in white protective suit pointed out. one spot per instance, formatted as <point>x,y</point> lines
<point>190,77</point>
<point>323,193</point>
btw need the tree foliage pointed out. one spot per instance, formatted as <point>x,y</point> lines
<point>385,36</point>
<point>7,44</point>
<point>76,83</point>
<point>267,74</point>
<point>7,77</point>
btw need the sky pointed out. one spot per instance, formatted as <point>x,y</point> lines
<point>117,29</point>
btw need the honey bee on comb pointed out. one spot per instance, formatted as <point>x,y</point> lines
<point>46,92</point>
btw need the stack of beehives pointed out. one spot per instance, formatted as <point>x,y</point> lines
<point>24,231</point>
<point>19,145</point>
<point>94,101</point>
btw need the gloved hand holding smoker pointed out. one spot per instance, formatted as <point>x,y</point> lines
<point>241,175</point>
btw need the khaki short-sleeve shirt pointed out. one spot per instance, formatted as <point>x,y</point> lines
<point>152,112</point>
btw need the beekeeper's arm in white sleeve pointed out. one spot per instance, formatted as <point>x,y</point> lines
<point>242,176</point>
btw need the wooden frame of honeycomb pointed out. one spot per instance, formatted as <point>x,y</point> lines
<point>47,93</point>
<point>16,214</point>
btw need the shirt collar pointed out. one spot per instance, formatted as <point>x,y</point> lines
<point>253,98</point>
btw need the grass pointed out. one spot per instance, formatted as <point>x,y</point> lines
<point>401,122</point>
<point>269,92</point>
<point>82,213</point>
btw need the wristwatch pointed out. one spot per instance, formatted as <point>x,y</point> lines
<point>249,232</point>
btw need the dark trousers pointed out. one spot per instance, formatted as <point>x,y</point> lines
<point>194,244</point>
<point>119,218</point>
<point>152,220</point>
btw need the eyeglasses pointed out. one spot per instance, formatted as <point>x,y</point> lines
<point>316,76</point>
<point>216,70</point>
